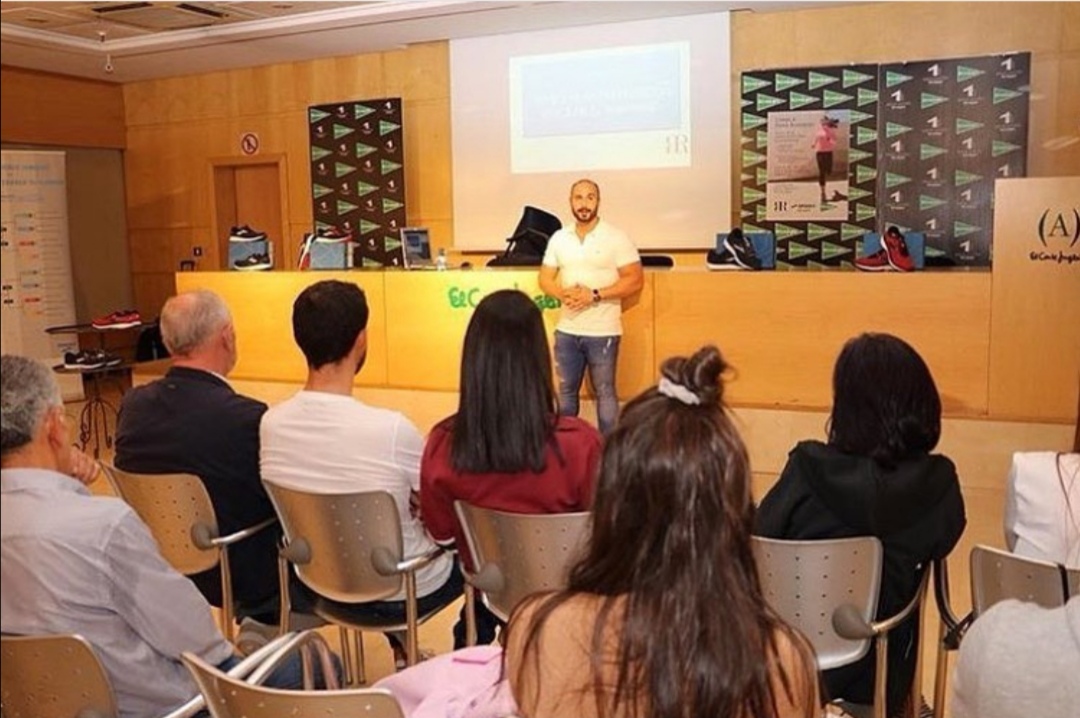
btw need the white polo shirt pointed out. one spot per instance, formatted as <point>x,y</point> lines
<point>594,263</point>
<point>1042,509</point>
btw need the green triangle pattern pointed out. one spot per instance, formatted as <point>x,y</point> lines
<point>1003,95</point>
<point>370,263</point>
<point>963,125</point>
<point>928,99</point>
<point>858,155</point>
<point>363,188</point>
<point>342,130</point>
<point>389,205</point>
<point>314,115</point>
<point>892,79</point>
<point>361,111</point>
<point>317,190</point>
<point>831,98</point>
<point>796,250</point>
<point>850,231</point>
<point>746,103</point>
<point>364,150</point>
<point>855,193</point>
<point>764,102</point>
<point>344,207</point>
<point>864,135</point>
<point>866,97</point>
<point>962,228</point>
<point>761,212</point>
<point>341,169</point>
<point>391,243</point>
<point>961,178</point>
<point>857,116</point>
<point>388,166</point>
<point>818,79</point>
<point>750,158</point>
<point>817,231</point>
<point>762,139</point>
<point>892,129</point>
<point>817,266</point>
<point>864,212</point>
<point>829,250</point>
<point>367,227</point>
<point>753,228</point>
<point>745,140</point>
<point>933,251</point>
<point>927,151</point>
<point>864,174</point>
<point>786,231</point>
<point>895,180</point>
<point>750,195</point>
<point>753,84</point>
<point>746,177</point>
<point>745,213</point>
<point>927,202</point>
<point>749,121</point>
<point>1000,148</point>
<point>965,73</point>
<point>798,99</point>
<point>784,82</point>
<point>852,78</point>
<point>762,176</point>
<point>386,128</point>
<point>317,153</point>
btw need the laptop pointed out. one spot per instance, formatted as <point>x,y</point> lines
<point>416,248</point>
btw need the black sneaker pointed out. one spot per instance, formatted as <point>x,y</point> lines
<point>719,260</point>
<point>245,234</point>
<point>90,359</point>
<point>742,249</point>
<point>253,262</point>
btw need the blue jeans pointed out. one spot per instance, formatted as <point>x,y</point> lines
<point>601,355</point>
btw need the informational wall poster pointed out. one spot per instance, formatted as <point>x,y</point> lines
<point>36,287</point>
<point>831,153</point>
<point>358,177</point>
<point>951,127</point>
<point>809,161</point>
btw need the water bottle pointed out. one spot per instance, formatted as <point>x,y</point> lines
<point>440,260</point>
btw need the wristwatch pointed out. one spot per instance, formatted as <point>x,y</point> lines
<point>596,296</point>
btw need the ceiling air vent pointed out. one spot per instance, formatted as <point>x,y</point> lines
<point>162,16</point>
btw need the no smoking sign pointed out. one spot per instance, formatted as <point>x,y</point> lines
<point>249,143</point>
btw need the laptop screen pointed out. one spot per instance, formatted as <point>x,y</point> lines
<point>416,244</point>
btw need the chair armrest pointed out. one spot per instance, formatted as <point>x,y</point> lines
<point>489,579</point>
<point>383,561</point>
<point>203,537</point>
<point>954,627</point>
<point>849,623</point>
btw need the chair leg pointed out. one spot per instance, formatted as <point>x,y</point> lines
<point>346,655</point>
<point>941,673</point>
<point>881,708</point>
<point>358,652</point>
<point>470,615</point>
<point>412,639</point>
<point>226,596</point>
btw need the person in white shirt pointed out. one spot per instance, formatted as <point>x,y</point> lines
<point>325,440</point>
<point>590,269</point>
<point>1042,507</point>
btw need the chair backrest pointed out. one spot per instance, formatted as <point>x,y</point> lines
<point>337,534</point>
<point>806,581</point>
<point>519,554</point>
<point>998,575</point>
<point>228,697</point>
<point>171,505</point>
<point>53,677</point>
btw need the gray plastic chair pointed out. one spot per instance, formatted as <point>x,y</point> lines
<point>228,697</point>
<point>53,677</point>
<point>178,511</point>
<point>828,589</point>
<point>997,575</point>
<point>516,555</point>
<point>348,549</point>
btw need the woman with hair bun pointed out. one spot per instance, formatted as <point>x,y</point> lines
<point>664,616</point>
<point>875,477</point>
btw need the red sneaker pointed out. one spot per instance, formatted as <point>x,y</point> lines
<point>122,319</point>
<point>896,251</point>
<point>876,262</point>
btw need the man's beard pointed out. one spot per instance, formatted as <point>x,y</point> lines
<point>585,215</point>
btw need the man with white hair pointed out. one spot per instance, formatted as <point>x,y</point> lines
<point>75,563</point>
<point>192,421</point>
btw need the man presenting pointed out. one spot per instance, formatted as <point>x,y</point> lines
<point>590,269</point>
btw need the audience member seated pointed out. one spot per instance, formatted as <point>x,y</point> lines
<point>664,615</point>
<point>875,477</point>
<point>1042,505</point>
<point>324,440</point>
<point>1020,660</point>
<point>75,563</point>
<point>192,421</point>
<point>506,448</point>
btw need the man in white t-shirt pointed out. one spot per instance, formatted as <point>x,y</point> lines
<point>590,269</point>
<point>325,441</point>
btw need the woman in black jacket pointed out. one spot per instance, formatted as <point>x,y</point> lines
<point>875,477</point>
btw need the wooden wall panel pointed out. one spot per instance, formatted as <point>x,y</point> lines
<point>38,108</point>
<point>1035,357</point>
<point>151,289</point>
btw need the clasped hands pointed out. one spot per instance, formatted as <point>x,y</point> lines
<point>576,297</point>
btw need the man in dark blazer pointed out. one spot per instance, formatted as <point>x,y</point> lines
<point>192,421</point>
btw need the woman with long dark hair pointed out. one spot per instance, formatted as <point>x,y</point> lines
<point>664,616</point>
<point>506,448</point>
<point>875,477</point>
